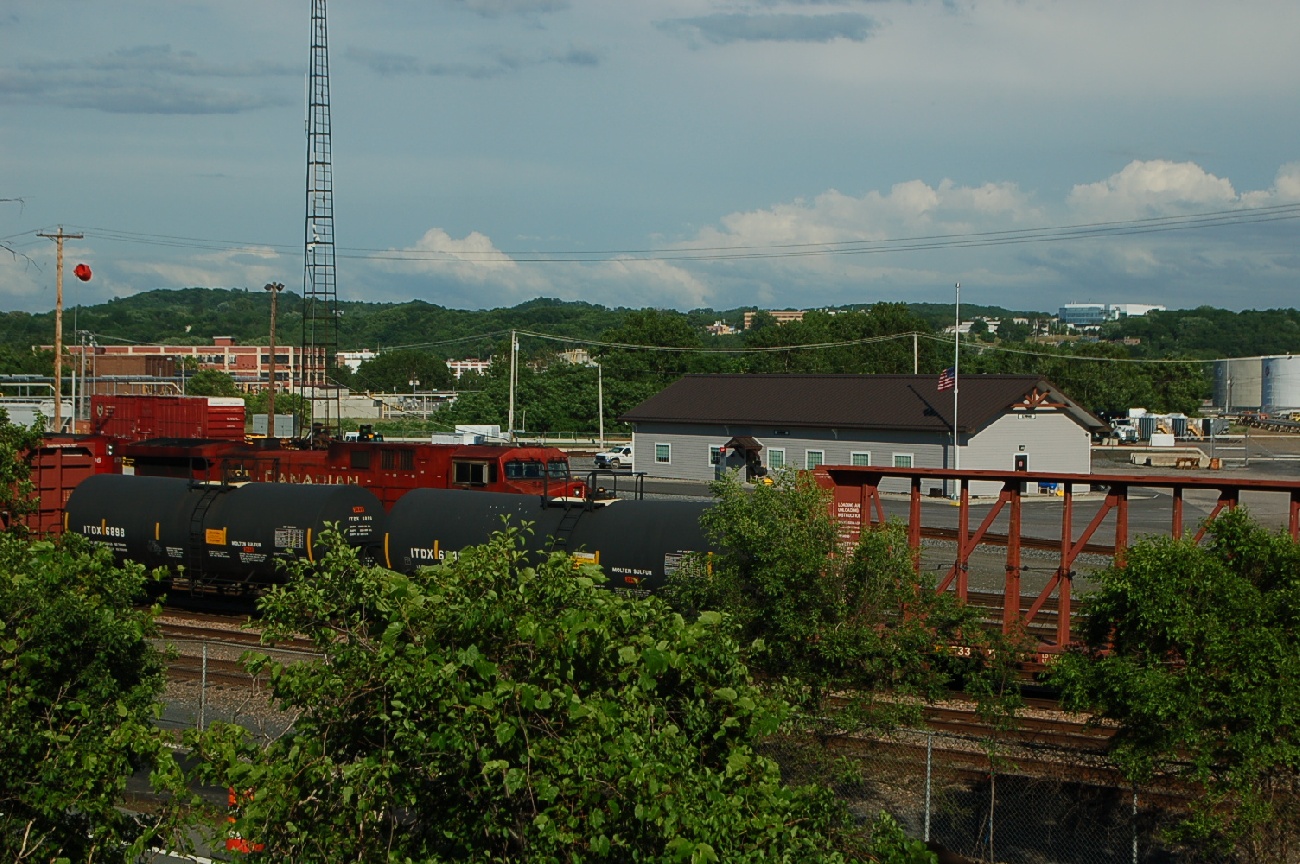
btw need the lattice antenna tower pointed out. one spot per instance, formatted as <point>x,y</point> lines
<point>320,322</point>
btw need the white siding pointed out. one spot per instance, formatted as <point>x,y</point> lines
<point>1052,441</point>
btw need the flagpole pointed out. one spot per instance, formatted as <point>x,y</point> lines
<point>956,376</point>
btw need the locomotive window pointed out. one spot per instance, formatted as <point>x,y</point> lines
<point>517,470</point>
<point>475,473</point>
<point>360,458</point>
<point>558,468</point>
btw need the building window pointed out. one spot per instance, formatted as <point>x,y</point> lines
<point>813,458</point>
<point>715,454</point>
<point>861,458</point>
<point>663,453</point>
<point>902,460</point>
<point>776,458</point>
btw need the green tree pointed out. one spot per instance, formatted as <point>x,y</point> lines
<point>285,403</point>
<point>490,711</point>
<point>832,619</point>
<point>79,683</point>
<point>17,494</point>
<point>211,382</point>
<point>1193,651</point>
<point>393,372</point>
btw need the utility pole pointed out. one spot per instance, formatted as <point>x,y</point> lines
<point>510,416</point>
<point>58,322</point>
<point>275,288</point>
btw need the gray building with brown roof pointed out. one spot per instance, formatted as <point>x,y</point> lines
<point>801,421</point>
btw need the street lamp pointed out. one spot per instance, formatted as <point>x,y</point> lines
<point>275,288</point>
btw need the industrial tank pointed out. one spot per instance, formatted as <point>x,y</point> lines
<point>1237,383</point>
<point>1281,384</point>
<point>137,517</point>
<point>637,543</point>
<point>427,525</point>
<point>221,533</point>
<point>249,527</point>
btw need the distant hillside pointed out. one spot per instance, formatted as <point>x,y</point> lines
<point>192,316</point>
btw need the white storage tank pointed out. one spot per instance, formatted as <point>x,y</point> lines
<point>1237,383</point>
<point>1280,385</point>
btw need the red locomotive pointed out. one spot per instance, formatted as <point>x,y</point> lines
<point>158,439</point>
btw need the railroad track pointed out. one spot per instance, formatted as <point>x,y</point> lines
<point>208,646</point>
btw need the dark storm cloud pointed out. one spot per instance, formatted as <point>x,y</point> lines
<point>148,79</point>
<point>724,29</point>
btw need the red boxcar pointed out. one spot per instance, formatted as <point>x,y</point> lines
<point>137,418</point>
<point>58,465</point>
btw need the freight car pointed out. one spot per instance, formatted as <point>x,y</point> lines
<point>638,543</point>
<point>226,535</point>
<point>235,535</point>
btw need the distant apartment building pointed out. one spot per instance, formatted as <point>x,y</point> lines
<point>460,367</point>
<point>577,357</point>
<point>782,316</point>
<point>248,365</point>
<point>354,359</point>
<point>1079,315</point>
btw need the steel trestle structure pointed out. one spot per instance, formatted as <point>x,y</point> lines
<point>319,289</point>
<point>858,505</point>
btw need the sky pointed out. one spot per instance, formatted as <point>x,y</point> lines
<point>675,154</point>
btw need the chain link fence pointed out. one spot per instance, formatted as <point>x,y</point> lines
<point>982,798</point>
<point>207,684</point>
<point>988,801</point>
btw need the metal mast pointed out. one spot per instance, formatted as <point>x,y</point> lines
<point>320,294</point>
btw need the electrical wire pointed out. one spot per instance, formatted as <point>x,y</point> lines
<point>965,240</point>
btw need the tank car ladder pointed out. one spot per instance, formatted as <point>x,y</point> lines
<point>573,512</point>
<point>198,538</point>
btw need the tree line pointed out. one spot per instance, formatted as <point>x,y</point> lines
<point>416,338</point>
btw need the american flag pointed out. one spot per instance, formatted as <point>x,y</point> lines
<point>947,378</point>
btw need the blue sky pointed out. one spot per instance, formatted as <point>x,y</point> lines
<point>675,153</point>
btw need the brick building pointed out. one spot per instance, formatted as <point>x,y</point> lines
<point>249,365</point>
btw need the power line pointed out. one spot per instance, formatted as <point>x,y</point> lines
<point>965,240</point>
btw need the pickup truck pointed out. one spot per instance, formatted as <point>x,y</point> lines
<point>615,458</point>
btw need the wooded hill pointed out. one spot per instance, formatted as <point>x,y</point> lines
<point>417,336</point>
<point>192,316</point>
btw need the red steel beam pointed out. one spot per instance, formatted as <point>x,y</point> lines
<point>869,510</point>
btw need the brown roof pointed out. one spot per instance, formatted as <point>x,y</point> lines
<point>905,402</point>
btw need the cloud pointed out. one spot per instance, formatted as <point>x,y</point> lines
<point>147,79</point>
<point>387,64</point>
<point>384,63</point>
<point>511,8</point>
<point>908,208</point>
<point>1152,188</point>
<point>727,28</point>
